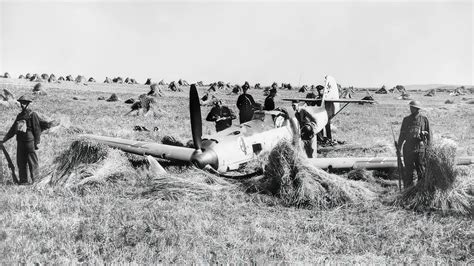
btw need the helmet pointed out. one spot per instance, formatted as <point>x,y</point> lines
<point>415,104</point>
<point>24,99</point>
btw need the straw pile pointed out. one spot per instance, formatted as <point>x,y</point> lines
<point>297,183</point>
<point>198,184</point>
<point>87,162</point>
<point>443,187</point>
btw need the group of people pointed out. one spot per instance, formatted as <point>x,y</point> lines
<point>415,133</point>
<point>223,115</point>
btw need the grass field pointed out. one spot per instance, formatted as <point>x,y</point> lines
<point>117,223</point>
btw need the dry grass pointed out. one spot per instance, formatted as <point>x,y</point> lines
<point>125,221</point>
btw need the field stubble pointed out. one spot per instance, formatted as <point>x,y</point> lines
<point>103,224</point>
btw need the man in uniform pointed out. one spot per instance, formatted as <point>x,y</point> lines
<point>245,103</point>
<point>269,101</point>
<point>307,124</point>
<point>28,135</point>
<point>222,115</point>
<point>415,137</point>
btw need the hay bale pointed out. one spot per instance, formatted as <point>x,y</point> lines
<point>170,140</point>
<point>442,187</point>
<point>360,174</point>
<point>296,182</point>
<point>130,101</point>
<point>448,101</point>
<point>113,98</point>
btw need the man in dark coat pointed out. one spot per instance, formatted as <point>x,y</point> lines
<point>415,137</point>
<point>245,103</point>
<point>28,135</point>
<point>222,115</point>
<point>270,100</point>
<point>307,123</point>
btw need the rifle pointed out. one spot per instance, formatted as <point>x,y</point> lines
<point>10,164</point>
<point>400,164</point>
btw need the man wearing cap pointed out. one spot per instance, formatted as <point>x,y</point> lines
<point>28,136</point>
<point>415,137</point>
<point>222,115</point>
<point>245,103</point>
<point>270,100</point>
<point>308,124</point>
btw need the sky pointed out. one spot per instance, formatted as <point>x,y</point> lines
<point>360,43</point>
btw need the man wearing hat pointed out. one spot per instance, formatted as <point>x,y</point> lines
<point>222,115</point>
<point>246,104</point>
<point>28,136</point>
<point>269,101</point>
<point>307,123</point>
<point>415,137</point>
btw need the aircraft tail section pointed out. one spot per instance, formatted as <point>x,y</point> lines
<point>331,92</point>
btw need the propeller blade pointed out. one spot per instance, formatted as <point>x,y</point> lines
<point>195,113</point>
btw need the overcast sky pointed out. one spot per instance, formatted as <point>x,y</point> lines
<point>359,43</point>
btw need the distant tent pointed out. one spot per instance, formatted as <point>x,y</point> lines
<point>91,79</point>
<point>127,80</point>
<point>148,81</point>
<point>107,80</point>
<point>45,76</point>
<point>21,77</point>
<point>28,76</point>
<point>162,82</point>
<point>6,75</point>
<point>200,83</point>
<point>69,78</point>
<point>35,78</point>
<point>61,78</point>
<point>133,81</point>
<point>257,86</point>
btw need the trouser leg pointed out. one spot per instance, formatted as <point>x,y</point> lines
<point>309,147</point>
<point>22,161</point>
<point>419,164</point>
<point>408,158</point>
<point>33,165</point>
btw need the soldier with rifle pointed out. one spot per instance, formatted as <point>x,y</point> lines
<point>415,137</point>
<point>28,135</point>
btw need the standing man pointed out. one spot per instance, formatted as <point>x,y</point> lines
<point>222,115</point>
<point>415,134</point>
<point>308,125</point>
<point>245,103</point>
<point>28,136</point>
<point>270,100</point>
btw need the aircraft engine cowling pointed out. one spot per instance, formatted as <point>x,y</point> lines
<point>203,158</point>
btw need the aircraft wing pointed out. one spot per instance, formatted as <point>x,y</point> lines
<point>330,101</point>
<point>145,148</point>
<point>368,162</point>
